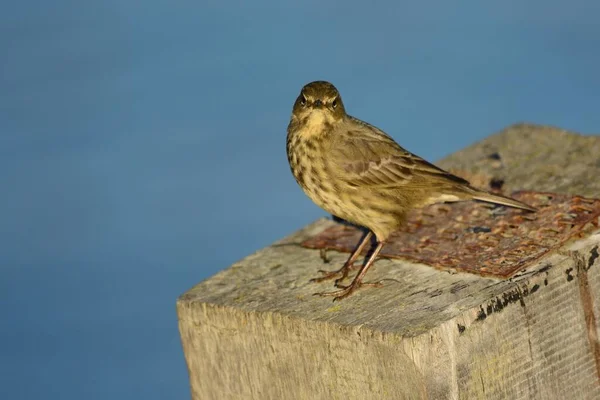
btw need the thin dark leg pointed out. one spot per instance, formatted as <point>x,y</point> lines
<point>347,265</point>
<point>357,282</point>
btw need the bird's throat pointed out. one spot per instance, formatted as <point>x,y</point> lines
<point>316,123</point>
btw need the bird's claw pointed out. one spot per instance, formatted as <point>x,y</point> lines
<point>346,291</point>
<point>337,294</point>
<point>327,275</point>
<point>338,284</point>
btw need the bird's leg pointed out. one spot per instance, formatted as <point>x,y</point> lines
<point>347,265</point>
<point>357,282</point>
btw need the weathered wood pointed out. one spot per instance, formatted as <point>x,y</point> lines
<point>254,330</point>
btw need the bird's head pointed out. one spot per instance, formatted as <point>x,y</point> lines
<point>319,100</point>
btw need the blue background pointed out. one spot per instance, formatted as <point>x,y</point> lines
<point>142,149</point>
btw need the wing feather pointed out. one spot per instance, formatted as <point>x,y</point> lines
<point>365,155</point>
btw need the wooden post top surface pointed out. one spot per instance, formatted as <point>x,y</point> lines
<point>273,283</point>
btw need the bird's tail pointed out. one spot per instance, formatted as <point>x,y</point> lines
<point>499,199</point>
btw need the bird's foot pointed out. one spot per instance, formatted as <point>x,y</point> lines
<point>342,273</point>
<point>346,291</point>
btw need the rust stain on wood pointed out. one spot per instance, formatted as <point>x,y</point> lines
<point>587,302</point>
<point>479,238</point>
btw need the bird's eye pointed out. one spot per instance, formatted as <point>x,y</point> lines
<point>334,103</point>
<point>303,101</point>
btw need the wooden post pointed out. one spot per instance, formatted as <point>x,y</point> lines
<point>254,330</point>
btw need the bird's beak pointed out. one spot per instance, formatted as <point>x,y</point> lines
<point>318,103</point>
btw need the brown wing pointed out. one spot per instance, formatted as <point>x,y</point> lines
<point>364,155</point>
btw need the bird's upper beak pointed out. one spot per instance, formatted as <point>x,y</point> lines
<point>317,103</point>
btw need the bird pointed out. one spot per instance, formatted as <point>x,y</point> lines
<point>357,172</point>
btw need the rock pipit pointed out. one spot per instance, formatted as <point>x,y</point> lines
<point>357,172</point>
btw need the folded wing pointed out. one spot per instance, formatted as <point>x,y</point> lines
<point>368,157</point>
